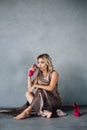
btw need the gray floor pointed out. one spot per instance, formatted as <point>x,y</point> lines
<point>68,122</point>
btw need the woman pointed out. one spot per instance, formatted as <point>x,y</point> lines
<point>46,101</point>
<point>42,96</point>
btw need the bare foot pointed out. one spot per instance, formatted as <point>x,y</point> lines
<point>47,114</point>
<point>21,116</point>
<point>60,113</point>
<point>24,114</point>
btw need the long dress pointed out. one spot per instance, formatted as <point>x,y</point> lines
<point>43,100</point>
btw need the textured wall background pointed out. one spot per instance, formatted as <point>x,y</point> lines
<point>31,27</point>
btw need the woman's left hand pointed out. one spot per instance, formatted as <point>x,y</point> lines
<point>34,86</point>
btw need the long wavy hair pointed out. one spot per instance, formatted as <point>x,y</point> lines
<point>48,61</point>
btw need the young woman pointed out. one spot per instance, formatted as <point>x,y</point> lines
<point>46,101</point>
<point>42,95</point>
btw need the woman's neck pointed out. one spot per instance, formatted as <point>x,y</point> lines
<point>45,73</point>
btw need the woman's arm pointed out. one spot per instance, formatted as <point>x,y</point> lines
<point>31,83</point>
<point>53,82</point>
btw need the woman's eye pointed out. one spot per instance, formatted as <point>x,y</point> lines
<point>42,62</point>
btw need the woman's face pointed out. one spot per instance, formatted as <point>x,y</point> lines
<point>41,63</point>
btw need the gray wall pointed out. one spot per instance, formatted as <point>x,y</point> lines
<point>31,27</point>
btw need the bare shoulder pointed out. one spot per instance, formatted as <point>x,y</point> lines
<point>54,72</point>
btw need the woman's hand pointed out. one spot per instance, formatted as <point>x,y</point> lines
<point>32,70</point>
<point>34,86</point>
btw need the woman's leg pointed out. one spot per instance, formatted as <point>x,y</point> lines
<point>24,114</point>
<point>29,96</point>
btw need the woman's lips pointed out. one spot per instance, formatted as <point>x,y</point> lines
<point>41,68</point>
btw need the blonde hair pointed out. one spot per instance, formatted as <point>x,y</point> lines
<point>48,60</point>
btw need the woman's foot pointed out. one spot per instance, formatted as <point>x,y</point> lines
<point>24,114</point>
<point>49,114</point>
<point>60,113</point>
<point>46,113</point>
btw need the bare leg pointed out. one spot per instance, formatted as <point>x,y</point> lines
<point>24,114</point>
<point>27,111</point>
<point>29,96</point>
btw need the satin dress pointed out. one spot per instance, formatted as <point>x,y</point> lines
<point>46,100</point>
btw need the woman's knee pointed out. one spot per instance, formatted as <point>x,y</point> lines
<point>26,94</point>
<point>29,97</point>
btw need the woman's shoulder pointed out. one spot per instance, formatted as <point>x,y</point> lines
<point>54,72</point>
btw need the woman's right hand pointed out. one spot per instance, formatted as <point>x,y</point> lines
<point>32,70</point>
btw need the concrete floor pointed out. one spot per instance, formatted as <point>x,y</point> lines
<point>68,122</point>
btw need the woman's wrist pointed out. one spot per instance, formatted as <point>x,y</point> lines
<point>37,86</point>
